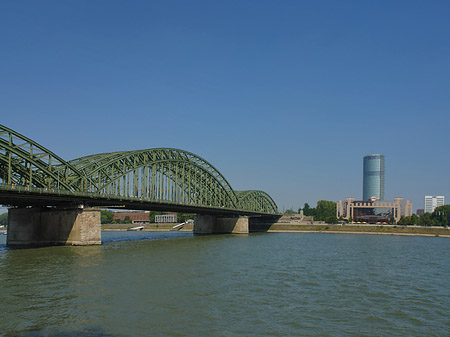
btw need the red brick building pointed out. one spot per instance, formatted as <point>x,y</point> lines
<point>135,217</point>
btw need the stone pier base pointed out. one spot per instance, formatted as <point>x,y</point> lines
<point>53,226</point>
<point>209,224</point>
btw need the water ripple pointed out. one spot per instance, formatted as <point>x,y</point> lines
<point>176,284</point>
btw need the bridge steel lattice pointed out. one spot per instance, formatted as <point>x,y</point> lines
<point>161,175</point>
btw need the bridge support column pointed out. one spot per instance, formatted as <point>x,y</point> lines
<point>209,224</point>
<point>53,226</point>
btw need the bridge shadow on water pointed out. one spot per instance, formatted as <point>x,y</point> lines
<point>89,332</point>
<point>264,227</point>
<point>3,242</point>
<point>262,224</point>
<point>113,236</point>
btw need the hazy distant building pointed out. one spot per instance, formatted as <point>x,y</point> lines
<point>373,211</point>
<point>373,176</point>
<point>420,211</point>
<point>431,202</point>
<point>135,217</point>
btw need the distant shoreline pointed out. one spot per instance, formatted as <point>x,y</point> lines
<point>323,228</point>
<point>354,229</point>
<point>350,232</point>
<point>165,227</point>
<point>313,228</point>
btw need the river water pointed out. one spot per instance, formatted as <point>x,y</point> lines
<point>267,284</point>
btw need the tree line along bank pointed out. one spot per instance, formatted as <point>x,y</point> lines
<point>107,217</point>
<point>326,211</point>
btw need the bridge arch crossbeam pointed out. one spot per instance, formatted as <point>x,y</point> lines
<point>159,174</point>
<point>168,180</point>
<point>255,200</point>
<point>101,162</point>
<point>27,163</point>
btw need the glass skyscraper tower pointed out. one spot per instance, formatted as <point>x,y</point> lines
<point>373,176</point>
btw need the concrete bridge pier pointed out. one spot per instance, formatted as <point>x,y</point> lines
<point>41,226</point>
<point>210,224</point>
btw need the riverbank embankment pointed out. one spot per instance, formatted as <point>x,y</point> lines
<point>164,227</point>
<point>308,228</point>
<point>355,229</point>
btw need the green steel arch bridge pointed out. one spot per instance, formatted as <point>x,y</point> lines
<point>152,179</point>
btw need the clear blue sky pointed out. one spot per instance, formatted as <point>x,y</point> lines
<point>282,96</point>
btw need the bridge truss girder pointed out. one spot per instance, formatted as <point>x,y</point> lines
<point>256,200</point>
<point>156,175</point>
<point>27,163</point>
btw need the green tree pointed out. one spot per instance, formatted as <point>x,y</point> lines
<point>409,220</point>
<point>331,219</point>
<point>325,210</point>
<point>106,217</point>
<point>4,219</point>
<point>127,220</point>
<point>182,217</point>
<point>404,221</point>
<point>425,220</point>
<point>439,215</point>
<point>307,210</point>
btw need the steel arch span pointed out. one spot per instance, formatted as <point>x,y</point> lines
<point>257,201</point>
<point>25,162</point>
<point>162,175</point>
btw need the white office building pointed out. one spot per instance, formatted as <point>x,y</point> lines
<point>431,202</point>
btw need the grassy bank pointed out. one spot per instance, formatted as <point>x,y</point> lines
<point>357,229</point>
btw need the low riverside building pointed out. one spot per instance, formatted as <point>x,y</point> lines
<point>135,217</point>
<point>373,210</point>
<point>166,218</point>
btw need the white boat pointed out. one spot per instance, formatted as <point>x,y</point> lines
<point>178,227</point>
<point>138,228</point>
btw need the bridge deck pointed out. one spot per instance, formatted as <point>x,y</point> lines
<point>22,196</point>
